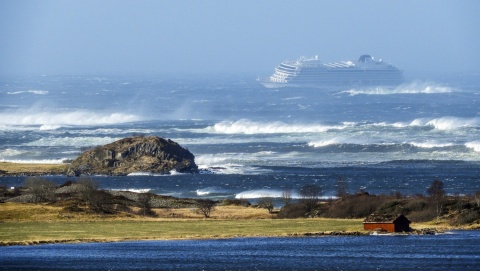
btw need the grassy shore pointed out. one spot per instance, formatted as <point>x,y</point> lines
<point>23,224</point>
<point>26,224</point>
<point>7,168</point>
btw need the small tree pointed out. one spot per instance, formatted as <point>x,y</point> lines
<point>287,197</point>
<point>477,198</point>
<point>267,203</point>
<point>206,206</point>
<point>310,194</point>
<point>145,204</point>
<point>341,187</point>
<point>437,194</point>
<point>42,189</point>
<point>87,189</point>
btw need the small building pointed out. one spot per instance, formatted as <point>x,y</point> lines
<point>387,222</point>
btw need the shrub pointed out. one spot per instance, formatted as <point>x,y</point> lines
<point>292,211</point>
<point>41,189</point>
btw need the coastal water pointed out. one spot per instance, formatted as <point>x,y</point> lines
<point>256,141</point>
<point>458,250</point>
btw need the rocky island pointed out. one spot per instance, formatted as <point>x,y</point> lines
<point>151,154</point>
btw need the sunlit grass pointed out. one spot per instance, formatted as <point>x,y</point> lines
<point>37,223</point>
<point>33,232</point>
<point>21,168</point>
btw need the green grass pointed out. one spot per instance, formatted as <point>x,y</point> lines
<point>105,231</point>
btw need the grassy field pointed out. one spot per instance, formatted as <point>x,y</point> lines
<point>32,224</point>
<point>31,169</point>
<point>162,229</point>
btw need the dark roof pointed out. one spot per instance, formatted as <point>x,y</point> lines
<point>384,218</point>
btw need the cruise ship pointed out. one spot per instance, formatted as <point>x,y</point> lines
<point>311,72</point>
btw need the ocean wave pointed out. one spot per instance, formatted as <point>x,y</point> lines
<point>262,193</point>
<point>135,190</point>
<point>272,193</point>
<point>33,91</point>
<point>72,141</point>
<point>415,87</point>
<point>245,126</point>
<point>357,146</point>
<point>430,145</point>
<point>34,161</point>
<point>11,152</point>
<point>144,174</point>
<point>447,123</point>
<point>475,145</point>
<point>73,118</point>
<point>210,191</point>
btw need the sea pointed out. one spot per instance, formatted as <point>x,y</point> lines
<point>252,142</point>
<point>387,252</point>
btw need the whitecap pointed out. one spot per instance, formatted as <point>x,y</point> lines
<point>33,91</point>
<point>245,126</point>
<point>33,161</point>
<point>79,117</point>
<point>415,87</point>
<point>475,145</point>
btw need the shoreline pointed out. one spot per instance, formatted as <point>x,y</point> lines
<point>431,232</point>
<point>41,224</point>
<point>214,237</point>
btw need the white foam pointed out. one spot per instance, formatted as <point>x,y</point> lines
<point>175,172</point>
<point>475,145</point>
<point>47,127</point>
<point>430,144</point>
<point>416,87</point>
<point>451,123</point>
<point>210,190</point>
<point>245,126</point>
<point>324,143</point>
<point>135,190</point>
<point>41,161</point>
<point>33,91</point>
<point>53,119</point>
<point>260,193</point>
<point>271,193</point>
<point>10,152</point>
<point>72,141</point>
<point>144,174</point>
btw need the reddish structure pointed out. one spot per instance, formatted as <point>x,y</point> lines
<point>385,222</point>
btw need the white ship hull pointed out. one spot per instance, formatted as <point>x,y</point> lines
<point>315,74</point>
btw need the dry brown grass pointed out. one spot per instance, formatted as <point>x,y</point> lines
<point>32,169</point>
<point>39,223</point>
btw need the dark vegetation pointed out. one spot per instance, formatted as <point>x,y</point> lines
<point>85,196</point>
<point>456,210</point>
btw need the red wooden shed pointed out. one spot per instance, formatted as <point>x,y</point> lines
<point>387,222</point>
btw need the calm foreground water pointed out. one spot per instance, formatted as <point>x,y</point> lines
<point>457,250</point>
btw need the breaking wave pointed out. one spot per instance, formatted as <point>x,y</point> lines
<point>52,120</point>
<point>33,91</point>
<point>475,145</point>
<point>415,87</point>
<point>72,141</point>
<point>245,126</point>
<point>32,161</point>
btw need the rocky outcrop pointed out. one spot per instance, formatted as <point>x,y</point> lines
<point>134,154</point>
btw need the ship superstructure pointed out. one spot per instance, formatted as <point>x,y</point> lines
<point>311,72</point>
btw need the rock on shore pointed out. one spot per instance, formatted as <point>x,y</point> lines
<point>134,154</point>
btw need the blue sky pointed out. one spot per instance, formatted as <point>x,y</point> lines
<point>45,37</point>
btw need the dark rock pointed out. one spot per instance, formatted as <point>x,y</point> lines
<point>134,154</point>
